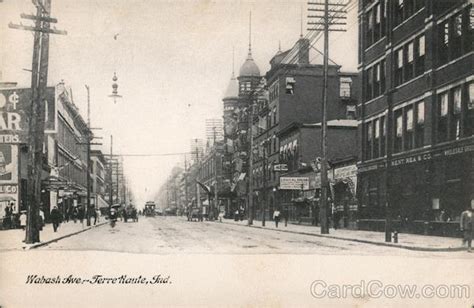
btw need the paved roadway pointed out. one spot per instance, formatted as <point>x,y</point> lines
<point>171,235</point>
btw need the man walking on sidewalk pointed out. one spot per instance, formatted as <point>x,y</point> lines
<point>55,218</point>
<point>276,217</point>
<point>467,226</point>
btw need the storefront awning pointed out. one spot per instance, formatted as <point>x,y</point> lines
<point>101,203</point>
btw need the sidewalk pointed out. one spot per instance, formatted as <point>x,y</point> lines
<point>13,239</point>
<point>405,240</point>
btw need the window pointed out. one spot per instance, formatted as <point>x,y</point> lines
<point>369,140</point>
<point>375,20</point>
<point>399,68</point>
<point>290,85</point>
<point>455,131</point>
<point>421,46</point>
<point>404,9</point>
<point>420,124</point>
<point>398,131</point>
<point>456,36</point>
<point>383,130</point>
<point>457,25</point>
<point>410,60</point>
<point>370,83</point>
<point>420,53</point>
<point>410,53</point>
<point>274,116</point>
<point>442,117</point>
<point>376,137</point>
<point>408,67</point>
<point>469,120</point>
<point>345,87</point>
<point>409,133</point>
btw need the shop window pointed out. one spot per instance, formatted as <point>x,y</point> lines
<point>398,131</point>
<point>420,124</point>
<point>442,117</point>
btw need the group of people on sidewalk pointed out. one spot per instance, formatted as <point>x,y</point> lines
<point>15,221</point>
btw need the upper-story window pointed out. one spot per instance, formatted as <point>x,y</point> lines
<point>455,35</point>
<point>410,60</point>
<point>375,22</point>
<point>375,80</point>
<point>345,87</point>
<point>404,9</point>
<point>290,85</point>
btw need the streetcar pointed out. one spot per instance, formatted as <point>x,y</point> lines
<point>149,210</point>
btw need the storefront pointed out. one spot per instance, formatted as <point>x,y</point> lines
<point>343,180</point>
<point>429,189</point>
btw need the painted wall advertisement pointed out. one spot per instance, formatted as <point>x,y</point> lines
<point>15,109</point>
<point>14,114</point>
<point>8,177</point>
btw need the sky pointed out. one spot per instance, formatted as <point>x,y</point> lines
<point>173,61</point>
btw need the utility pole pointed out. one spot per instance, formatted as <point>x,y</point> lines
<point>264,191</point>
<point>89,139</point>
<point>198,196</point>
<point>216,199</point>
<point>185,183</point>
<point>337,12</point>
<point>250,166</point>
<point>111,190</point>
<point>39,78</point>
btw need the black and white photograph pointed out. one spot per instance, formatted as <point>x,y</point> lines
<point>236,153</point>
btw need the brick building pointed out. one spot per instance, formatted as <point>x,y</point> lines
<point>417,113</point>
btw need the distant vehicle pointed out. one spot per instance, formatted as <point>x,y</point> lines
<point>193,214</point>
<point>149,210</point>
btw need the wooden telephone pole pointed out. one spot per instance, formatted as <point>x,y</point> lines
<point>39,78</point>
<point>324,23</point>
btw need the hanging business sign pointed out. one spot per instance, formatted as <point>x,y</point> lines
<point>280,167</point>
<point>14,113</point>
<point>294,183</point>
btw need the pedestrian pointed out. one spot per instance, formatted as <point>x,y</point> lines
<point>467,226</point>
<point>41,219</point>
<point>75,214</point>
<point>236,215</point>
<point>221,215</point>
<point>23,220</point>
<point>7,222</point>
<point>276,217</point>
<point>81,214</point>
<point>55,218</point>
<point>285,216</point>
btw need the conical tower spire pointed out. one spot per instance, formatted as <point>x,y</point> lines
<point>250,33</point>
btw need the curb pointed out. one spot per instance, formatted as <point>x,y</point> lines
<point>36,245</point>
<point>415,248</point>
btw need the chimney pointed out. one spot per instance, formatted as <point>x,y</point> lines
<point>303,51</point>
